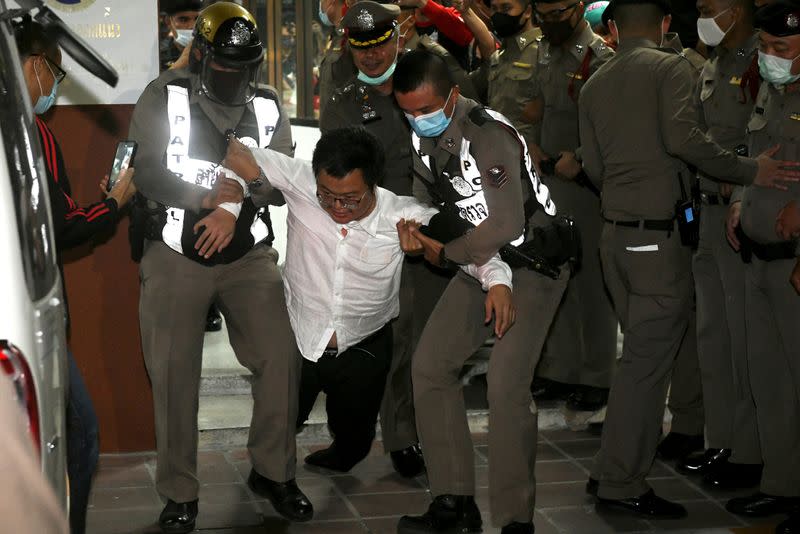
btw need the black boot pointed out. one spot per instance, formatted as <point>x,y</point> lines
<point>213,319</point>
<point>676,446</point>
<point>761,505</point>
<point>178,517</point>
<point>544,389</point>
<point>730,476</point>
<point>447,514</point>
<point>409,461</point>
<point>790,526</point>
<point>703,462</point>
<point>286,497</point>
<point>587,399</point>
<point>518,528</point>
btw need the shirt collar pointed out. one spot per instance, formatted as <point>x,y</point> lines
<point>583,40</point>
<point>524,39</point>
<point>370,223</point>
<point>635,42</point>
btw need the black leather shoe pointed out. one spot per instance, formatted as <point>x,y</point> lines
<point>178,517</point>
<point>731,476</point>
<point>592,486</point>
<point>409,461</point>
<point>649,504</point>
<point>587,399</point>
<point>704,462</point>
<point>790,526</point>
<point>447,514</point>
<point>762,505</point>
<point>678,446</point>
<point>331,459</point>
<point>518,528</point>
<point>213,319</point>
<point>286,497</point>
<point>544,389</point>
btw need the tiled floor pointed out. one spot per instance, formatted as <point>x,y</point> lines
<point>371,498</point>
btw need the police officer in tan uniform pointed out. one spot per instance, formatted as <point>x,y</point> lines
<point>773,305</point>
<point>638,129</point>
<point>337,65</point>
<point>726,90</point>
<point>505,80</point>
<point>476,166</point>
<point>582,345</point>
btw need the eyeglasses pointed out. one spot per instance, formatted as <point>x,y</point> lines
<point>555,15</point>
<point>327,200</point>
<point>58,73</point>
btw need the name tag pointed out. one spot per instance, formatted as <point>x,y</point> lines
<point>735,80</point>
<point>473,209</point>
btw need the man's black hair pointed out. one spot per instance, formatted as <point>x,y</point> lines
<point>33,39</point>
<point>418,67</point>
<point>343,150</point>
<point>635,17</point>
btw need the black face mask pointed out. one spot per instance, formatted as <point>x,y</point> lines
<point>557,32</point>
<point>506,25</point>
<point>426,30</point>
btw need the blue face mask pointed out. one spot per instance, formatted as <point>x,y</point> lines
<point>44,103</point>
<point>775,69</point>
<point>378,80</point>
<point>323,17</point>
<point>431,124</point>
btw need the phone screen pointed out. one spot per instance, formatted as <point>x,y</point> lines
<point>126,150</point>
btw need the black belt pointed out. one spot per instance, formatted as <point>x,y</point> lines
<point>661,225</point>
<point>331,352</point>
<point>713,199</point>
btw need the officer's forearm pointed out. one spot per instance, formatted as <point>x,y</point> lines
<point>160,185</point>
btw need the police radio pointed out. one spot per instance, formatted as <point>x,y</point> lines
<point>687,213</point>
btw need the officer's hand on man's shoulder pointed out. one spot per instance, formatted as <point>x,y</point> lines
<point>500,304</point>
<point>240,160</point>
<point>218,228</point>
<point>775,173</point>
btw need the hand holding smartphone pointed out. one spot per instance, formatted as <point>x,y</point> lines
<point>126,151</point>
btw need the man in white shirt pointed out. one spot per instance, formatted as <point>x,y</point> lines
<point>342,276</point>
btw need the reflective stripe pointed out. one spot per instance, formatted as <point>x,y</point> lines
<point>201,172</point>
<point>474,209</point>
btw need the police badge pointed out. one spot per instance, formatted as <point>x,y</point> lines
<point>461,186</point>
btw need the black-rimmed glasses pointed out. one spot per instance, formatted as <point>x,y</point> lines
<point>58,73</point>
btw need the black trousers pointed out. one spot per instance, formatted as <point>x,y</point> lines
<point>354,382</point>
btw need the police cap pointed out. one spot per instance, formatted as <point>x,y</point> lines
<point>780,18</point>
<point>608,14</point>
<point>171,7</point>
<point>370,24</point>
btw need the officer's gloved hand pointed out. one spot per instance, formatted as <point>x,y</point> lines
<point>240,160</point>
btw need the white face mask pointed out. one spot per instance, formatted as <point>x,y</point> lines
<point>709,31</point>
<point>776,70</point>
<point>183,37</point>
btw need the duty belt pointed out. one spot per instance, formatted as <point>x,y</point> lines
<point>661,225</point>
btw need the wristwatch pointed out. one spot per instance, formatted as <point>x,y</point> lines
<point>259,181</point>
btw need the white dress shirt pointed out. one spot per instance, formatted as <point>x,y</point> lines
<point>345,278</point>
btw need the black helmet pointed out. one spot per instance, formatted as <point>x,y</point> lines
<point>231,50</point>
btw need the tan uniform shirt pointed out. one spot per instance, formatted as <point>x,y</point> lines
<point>726,106</point>
<point>775,120</point>
<point>492,146</point>
<point>358,104</point>
<point>639,129</point>
<point>336,68</point>
<point>559,69</point>
<point>505,82</point>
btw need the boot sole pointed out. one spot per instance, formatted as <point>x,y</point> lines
<point>411,529</point>
<point>183,529</point>
<point>616,507</point>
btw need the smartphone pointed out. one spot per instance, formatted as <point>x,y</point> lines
<point>126,151</point>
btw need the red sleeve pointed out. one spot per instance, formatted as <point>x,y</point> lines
<point>448,21</point>
<point>72,224</point>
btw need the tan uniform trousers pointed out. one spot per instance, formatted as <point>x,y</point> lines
<point>420,289</point>
<point>582,345</point>
<point>685,401</point>
<point>652,293</point>
<point>175,295</point>
<point>730,413</point>
<point>454,332</point>
<point>773,340</point>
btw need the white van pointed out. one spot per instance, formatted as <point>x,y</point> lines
<point>32,315</point>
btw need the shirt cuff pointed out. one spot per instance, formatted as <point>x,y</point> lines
<point>233,208</point>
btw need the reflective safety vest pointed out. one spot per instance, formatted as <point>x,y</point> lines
<point>463,177</point>
<point>203,173</point>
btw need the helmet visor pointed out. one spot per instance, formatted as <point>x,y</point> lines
<point>232,83</point>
